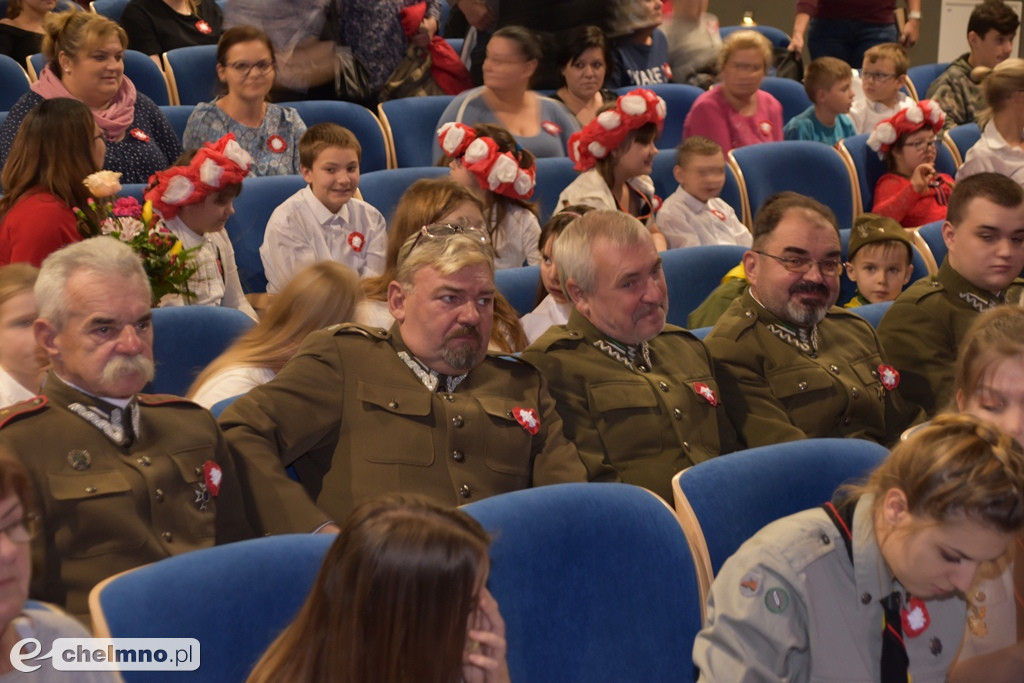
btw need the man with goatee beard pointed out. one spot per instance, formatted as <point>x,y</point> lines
<point>638,397</point>
<point>791,364</point>
<point>121,478</point>
<point>420,408</point>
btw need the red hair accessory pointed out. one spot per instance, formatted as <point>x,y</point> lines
<point>214,167</point>
<point>495,170</point>
<point>598,138</point>
<point>917,116</point>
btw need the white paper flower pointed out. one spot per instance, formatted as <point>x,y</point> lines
<point>662,108</point>
<point>634,105</point>
<point>210,173</point>
<point>609,120</point>
<point>503,170</point>
<point>476,151</point>
<point>523,184</point>
<point>574,149</point>
<point>914,114</point>
<point>451,137</point>
<point>237,154</point>
<point>179,188</point>
<point>597,149</point>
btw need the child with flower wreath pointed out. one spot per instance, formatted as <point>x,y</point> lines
<point>615,153</point>
<point>912,192</point>
<point>195,199</point>
<point>487,160</point>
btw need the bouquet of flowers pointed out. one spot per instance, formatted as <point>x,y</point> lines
<point>168,265</point>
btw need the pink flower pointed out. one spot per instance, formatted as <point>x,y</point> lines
<point>127,207</point>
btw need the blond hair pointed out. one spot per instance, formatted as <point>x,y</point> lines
<point>74,32</point>
<point>999,84</point>
<point>745,40</point>
<point>893,51</point>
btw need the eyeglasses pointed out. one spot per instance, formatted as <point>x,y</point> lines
<point>876,76</point>
<point>245,68</point>
<point>21,530</point>
<point>922,145</point>
<point>801,264</point>
<point>445,230</point>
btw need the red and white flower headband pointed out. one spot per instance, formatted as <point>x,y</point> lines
<point>495,170</point>
<point>910,120</point>
<point>598,138</point>
<point>214,167</point>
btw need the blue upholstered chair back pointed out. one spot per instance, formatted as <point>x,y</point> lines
<point>187,338</point>
<point>234,599</point>
<point>260,196</point>
<point>922,75</point>
<point>931,233</point>
<point>383,189</point>
<point>790,94</point>
<point>777,36</point>
<point>519,286</point>
<point>111,9</point>
<point>679,98</point>
<point>872,312</point>
<point>809,168</point>
<point>554,174</point>
<point>724,501</point>
<point>963,137</point>
<point>410,123</point>
<point>177,115</point>
<point>357,118</point>
<point>192,73</point>
<point>692,273</point>
<point>595,583</point>
<point>13,82</point>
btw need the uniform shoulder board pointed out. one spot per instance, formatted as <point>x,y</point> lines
<point>164,399</point>
<point>733,323</point>
<point>507,357</point>
<point>364,330</point>
<point>17,410</point>
<point>557,335</point>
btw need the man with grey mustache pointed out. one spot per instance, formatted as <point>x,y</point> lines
<point>638,397</point>
<point>791,364</point>
<point>120,478</point>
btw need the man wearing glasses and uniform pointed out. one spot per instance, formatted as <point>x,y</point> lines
<point>420,408</point>
<point>790,364</point>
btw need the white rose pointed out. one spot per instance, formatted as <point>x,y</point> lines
<point>451,137</point>
<point>210,173</point>
<point>237,154</point>
<point>503,170</point>
<point>524,183</point>
<point>103,184</point>
<point>633,105</point>
<point>609,120</point>
<point>476,151</point>
<point>179,188</point>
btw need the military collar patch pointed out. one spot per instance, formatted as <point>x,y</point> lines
<point>627,355</point>
<point>430,378</point>
<point>805,339</point>
<point>978,302</point>
<point>120,426</point>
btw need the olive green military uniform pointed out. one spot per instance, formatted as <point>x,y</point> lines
<point>105,508</point>
<point>642,419</point>
<point>717,302</point>
<point>791,606</point>
<point>780,383</point>
<point>922,330</point>
<point>356,420</point>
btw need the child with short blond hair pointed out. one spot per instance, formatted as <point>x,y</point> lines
<point>882,75</point>
<point>694,214</point>
<point>324,221</point>
<point>828,82</point>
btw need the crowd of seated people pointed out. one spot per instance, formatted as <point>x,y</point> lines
<point>384,358</point>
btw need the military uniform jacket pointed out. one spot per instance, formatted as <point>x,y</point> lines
<point>105,508</point>
<point>637,421</point>
<point>777,386</point>
<point>922,330</point>
<point>790,606</point>
<point>355,421</point>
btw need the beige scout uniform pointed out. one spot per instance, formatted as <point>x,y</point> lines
<point>356,421</point>
<point>105,508</point>
<point>641,420</point>
<point>781,384</point>
<point>922,330</point>
<point>789,606</point>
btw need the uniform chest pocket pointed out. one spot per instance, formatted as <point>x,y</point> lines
<point>190,501</point>
<point>89,513</point>
<point>394,440</point>
<point>866,369</point>
<point>628,418</point>
<point>509,446</point>
<point>803,380</point>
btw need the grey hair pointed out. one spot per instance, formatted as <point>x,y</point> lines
<point>101,255</point>
<point>446,254</point>
<point>572,250</point>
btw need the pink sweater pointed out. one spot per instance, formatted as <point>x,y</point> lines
<point>713,117</point>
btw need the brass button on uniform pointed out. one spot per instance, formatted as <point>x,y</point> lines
<point>167,536</point>
<point>686,445</point>
<point>663,386</point>
<point>393,405</point>
<point>458,456</point>
<point>677,414</point>
<point>457,421</point>
<point>90,489</point>
<point>464,491</point>
<point>145,461</point>
<point>159,495</point>
<point>802,386</point>
<point>834,369</point>
<point>450,398</point>
<point>855,392</point>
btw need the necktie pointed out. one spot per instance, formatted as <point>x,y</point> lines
<point>895,662</point>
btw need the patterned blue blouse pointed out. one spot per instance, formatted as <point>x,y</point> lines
<point>274,146</point>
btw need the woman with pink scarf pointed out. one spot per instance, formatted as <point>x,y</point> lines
<point>85,62</point>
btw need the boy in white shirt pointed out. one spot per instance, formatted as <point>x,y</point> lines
<point>324,221</point>
<point>694,214</point>
<point>882,74</point>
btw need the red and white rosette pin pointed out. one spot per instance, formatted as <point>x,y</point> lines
<point>705,392</point>
<point>139,134</point>
<point>766,127</point>
<point>551,128</point>
<point>915,618</point>
<point>656,202</point>
<point>357,240</point>
<point>720,215</point>
<point>213,475</point>
<point>889,376</point>
<point>528,418</point>
<point>276,144</point>
<point>203,27</point>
